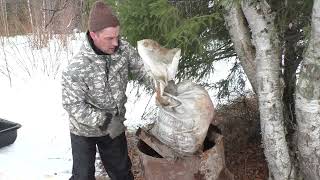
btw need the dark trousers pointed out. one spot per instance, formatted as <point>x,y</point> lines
<point>113,153</point>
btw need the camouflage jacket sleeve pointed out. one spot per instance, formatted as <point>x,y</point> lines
<point>74,90</point>
<point>136,67</point>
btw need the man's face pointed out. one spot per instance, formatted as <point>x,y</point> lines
<point>107,39</point>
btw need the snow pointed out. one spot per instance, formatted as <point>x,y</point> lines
<point>42,145</point>
<point>42,148</point>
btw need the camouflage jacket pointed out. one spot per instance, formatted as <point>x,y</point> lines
<point>93,85</point>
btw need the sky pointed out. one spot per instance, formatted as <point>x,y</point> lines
<point>42,148</point>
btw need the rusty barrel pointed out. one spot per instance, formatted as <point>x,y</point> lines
<point>207,165</point>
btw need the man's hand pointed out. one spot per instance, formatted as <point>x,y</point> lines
<point>106,122</point>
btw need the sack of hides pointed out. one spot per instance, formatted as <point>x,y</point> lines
<point>185,110</point>
<point>184,127</point>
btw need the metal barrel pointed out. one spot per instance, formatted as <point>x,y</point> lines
<point>206,165</point>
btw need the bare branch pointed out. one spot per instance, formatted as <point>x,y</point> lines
<point>55,11</point>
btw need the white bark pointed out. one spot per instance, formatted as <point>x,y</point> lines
<point>44,17</point>
<point>261,23</point>
<point>2,40</point>
<point>240,36</point>
<point>308,103</point>
<point>5,17</point>
<point>30,15</point>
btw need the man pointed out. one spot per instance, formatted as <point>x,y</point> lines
<point>93,92</point>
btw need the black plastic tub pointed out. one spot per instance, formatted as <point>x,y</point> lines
<point>8,132</point>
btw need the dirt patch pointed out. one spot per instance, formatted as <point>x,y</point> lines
<point>247,163</point>
<point>240,125</point>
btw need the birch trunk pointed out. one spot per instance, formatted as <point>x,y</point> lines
<point>2,40</point>
<point>78,14</point>
<point>308,103</point>
<point>269,89</point>
<point>240,36</point>
<point>44,15</point>
<point>30,16</point>
<point>5,17</point>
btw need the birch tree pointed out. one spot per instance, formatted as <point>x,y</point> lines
<point>240,36</point>
<point>4,16</point>
<point>269,88</point>
<point>308,102</point>
<point>30,15</point>
<point>3,40</point>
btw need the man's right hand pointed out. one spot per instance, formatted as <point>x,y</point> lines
<point>106,122</point>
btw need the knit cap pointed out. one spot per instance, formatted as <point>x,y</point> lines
<point>101,16</point>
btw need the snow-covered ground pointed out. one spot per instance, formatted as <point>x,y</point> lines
<point>42,149</point>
